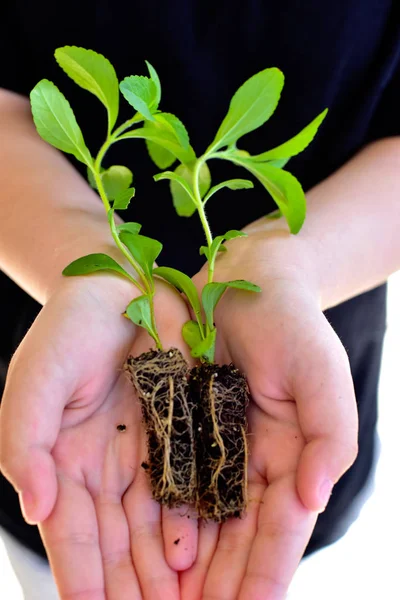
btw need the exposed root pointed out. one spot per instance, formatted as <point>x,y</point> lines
<point>161,381</point>
<point>220,395</point>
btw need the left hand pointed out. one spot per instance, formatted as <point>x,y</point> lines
<point>302,418</point>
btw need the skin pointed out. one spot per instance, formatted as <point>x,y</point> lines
<point>80,479</point>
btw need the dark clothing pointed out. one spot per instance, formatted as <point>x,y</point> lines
<point>344,55</point>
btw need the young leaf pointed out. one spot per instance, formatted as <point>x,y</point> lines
<point>212,293</point>
<point>183,283</point>
<point>175,132</point>
<point>232,184</point>
<point>206,348</point>
<point>116,179</point>
<point>55,121</point>
<point>94,73</point>
<point>251,106</point>
<point>144,250</point>
<point>164,138</point>
<point>139,312</point>
<point>181,187</point>
<point>296,144</point>
<point>161,157</point>
<point>92,263</point>
<point>216,247</point>
<point>192,334</point>
<point>122,200</point>
<point>141,93</point>
<point>283,187</point>
<point>156,80</point>
<point>175,126</point>
<point>186,206</point>
<point>132,228</point>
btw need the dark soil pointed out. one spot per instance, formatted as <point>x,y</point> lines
<point>221,395</point>
<point>161,381</point>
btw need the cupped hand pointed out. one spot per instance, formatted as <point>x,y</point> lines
<point>302,419</point>
<point>78,475</point>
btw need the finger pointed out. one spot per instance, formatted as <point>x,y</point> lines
<point>30,418</point>
<point>192,581</point>
<point>70,535</point>
<point>233,550</point>
<point>328,418</point>
<point>121,582</point>
<point>284,528</point>
<point>180,533</point>
<point>157,580</point>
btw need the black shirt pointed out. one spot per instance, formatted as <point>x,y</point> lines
<point>344,55</point>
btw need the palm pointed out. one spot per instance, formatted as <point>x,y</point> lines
<point>104,534</point>
<point>292,359</point>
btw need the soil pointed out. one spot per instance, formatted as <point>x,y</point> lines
<point>161,381</point>
<point>196,428</point>
<point>221,395</point>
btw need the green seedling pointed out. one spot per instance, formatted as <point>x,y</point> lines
<point>251,106</point>
<point>166,139</point>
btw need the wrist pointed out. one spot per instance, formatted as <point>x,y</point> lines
<point>270,253</point>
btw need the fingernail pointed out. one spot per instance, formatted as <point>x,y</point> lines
<point>325,492</point>
<point>28,506</point>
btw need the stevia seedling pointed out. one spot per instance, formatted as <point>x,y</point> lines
<point>221,394</point>
<point>161,376</point>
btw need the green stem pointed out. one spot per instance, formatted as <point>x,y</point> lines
<point>201,211</point>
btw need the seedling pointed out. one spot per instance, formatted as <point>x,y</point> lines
<point>195,421</point>
<point>221,394</point>
<point>165,402</point>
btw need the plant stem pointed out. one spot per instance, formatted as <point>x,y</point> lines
<point>147,289</point>
<point>201,211</point>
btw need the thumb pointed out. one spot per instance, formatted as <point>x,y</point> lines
<point>327,410</point>
<point>30,419</point>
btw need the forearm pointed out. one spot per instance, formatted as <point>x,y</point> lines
<point>49,214</point>
<point>350,241</point>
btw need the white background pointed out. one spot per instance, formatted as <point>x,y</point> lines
<point>365,564</point>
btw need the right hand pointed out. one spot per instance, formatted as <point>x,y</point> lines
<point>77,476</point>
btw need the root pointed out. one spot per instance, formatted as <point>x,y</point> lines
<point>161,381</point>
<point>221,396</point>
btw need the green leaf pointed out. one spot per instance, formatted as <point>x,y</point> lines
<point>191,333</point>
<point>92,263</point>
<point>181,190</point>
<point>161,158</point>
<point>132,228</point>
<point>183,283</point>
<point>279,163</point>
<point>55,121</point>
<point>206,348</point>
<point>174,125</point>
<point>212,293</point>
<point>144,250</point>
<point>216,247</point>
<point>94,73</point>
<point>139,312</point>
<point>181,187</point>
<point>296,144</point>
<point>122,200</point>
<point>251,106</point>
<point>232,184</point>
<point>170,124</point>
<point>115,180</point>
<point>283,187</point>
<point>141,93</point>
<point>156,80</point>
<point>164,138</point>
<point>204,250</point>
